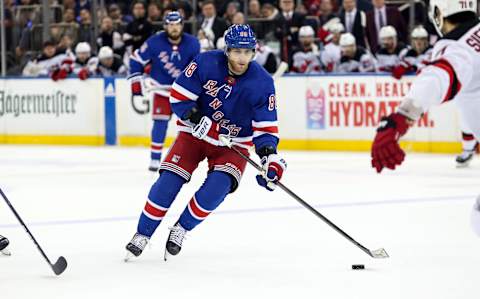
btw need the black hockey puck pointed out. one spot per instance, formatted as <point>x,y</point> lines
<point>358,267</point>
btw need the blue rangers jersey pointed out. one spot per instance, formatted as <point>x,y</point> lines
<point>244,104</point>
<point>167,60</point>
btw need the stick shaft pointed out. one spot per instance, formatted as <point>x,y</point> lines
<point>24,226</point>
<point>306,205</point>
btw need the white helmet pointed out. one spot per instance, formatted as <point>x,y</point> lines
<point>306,31</point>
<point>105,52</point>
<point>336,28</point>
<point>83,47</point>
<point>440,9</point>
<point>419,32</point>
<point>347,39</point>
<point>387,31</point>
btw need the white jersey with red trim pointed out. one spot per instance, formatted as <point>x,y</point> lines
<point>330,56</point>
<point>307,61</point>
<point>452,75</point>
<point>414,61</point>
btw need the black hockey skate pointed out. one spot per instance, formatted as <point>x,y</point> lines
<point>175,240</point>
<point>464,159</point>
<point>136,246</point>
<point>3,245</point>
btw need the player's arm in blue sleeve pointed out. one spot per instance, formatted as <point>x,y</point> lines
<point>185,91</point>
<point>264,123</point>
<point>139,59</point>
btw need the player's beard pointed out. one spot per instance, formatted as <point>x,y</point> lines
<point>175,36</point>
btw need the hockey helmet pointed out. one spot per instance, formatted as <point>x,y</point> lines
<point>173,17</point>
<point>347,39</point>
<point>306,31</point>
<point>105,52</point>
<point>336,28</point>
<point>83,47</point>
<point>419,32</point>
<point>440,9</point>
<point>240,36</point>
<point>387,31</point>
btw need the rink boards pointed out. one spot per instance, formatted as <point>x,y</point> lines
<point>315,113</point>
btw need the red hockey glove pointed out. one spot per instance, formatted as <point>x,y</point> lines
<point>59,74</point>
<point>83,74</point>
<point>210,131</point>
<point>273,167</point>
<point>386,151</point>
<point>398,71</point>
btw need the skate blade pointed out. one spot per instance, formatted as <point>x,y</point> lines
<point>130,256</point>
<point>463,165</point>
<point>6,252</point>
<point>167,255</point>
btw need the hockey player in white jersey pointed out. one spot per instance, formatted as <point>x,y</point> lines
<point>3,245</point>
<point>355,59</point>
<point>451,76</point>
<point>306,58</point>
<point>415,57</point>
<point>332,52</point>
<point>388,56</point>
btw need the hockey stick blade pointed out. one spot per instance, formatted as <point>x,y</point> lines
<point>379,253</point>
<point>60,266</point>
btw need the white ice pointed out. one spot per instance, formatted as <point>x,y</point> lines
<point>83,203</point>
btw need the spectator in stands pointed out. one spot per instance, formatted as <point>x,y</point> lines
<point>154,13</point>
<point>211,24</point>
<point>238,18</point>
<point>288,22</point>
<point>355,59</point>
<point>269,12</point>
<point>8,24</point>
<point>70,27</point>
<point>46,62</point>
<point>306,58</point>
<point>115,13</point>
<point>139,29</point>
<point>254,9</point>
<point>382,16</point>
<point>388,56</point>
<point>232,8</point>
<point>331,54</point>
<point>69,4</point>
<point>108,36</point>
<point>255,13</point>
<point>85,30</point>
<point>81,5</point>
<point>325,13</point>
<point>206,42</point>
<point>109,64</point>
<point>65,45</point>
<point>354,21</point>
<point>414,58</point>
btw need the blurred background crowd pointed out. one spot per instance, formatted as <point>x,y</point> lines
<point>312,36</point>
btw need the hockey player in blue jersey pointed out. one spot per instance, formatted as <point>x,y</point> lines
<point>219,93</point>
<point>168,52</point>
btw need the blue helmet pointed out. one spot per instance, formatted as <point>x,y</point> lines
<point>173,17</point>
<point>240,36</point>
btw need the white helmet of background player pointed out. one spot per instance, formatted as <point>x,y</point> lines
<point>438,10</point>
<point>305,36</point>
<point>419,37</point>
<point>105,55</point>
<point>83,51</point>
<point>348,44</point>
<point>388,37</point>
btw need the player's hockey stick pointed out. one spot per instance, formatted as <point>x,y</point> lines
<point>61,263</point>
<point>378,253</point>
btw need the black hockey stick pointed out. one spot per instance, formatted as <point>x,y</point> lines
<point>61,263</point>
<point>379,253</point>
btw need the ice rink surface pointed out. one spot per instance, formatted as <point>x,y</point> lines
<point>83,203</point>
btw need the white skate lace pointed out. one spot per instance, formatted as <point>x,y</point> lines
<point>140,241</point>
<point>177,234</point>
